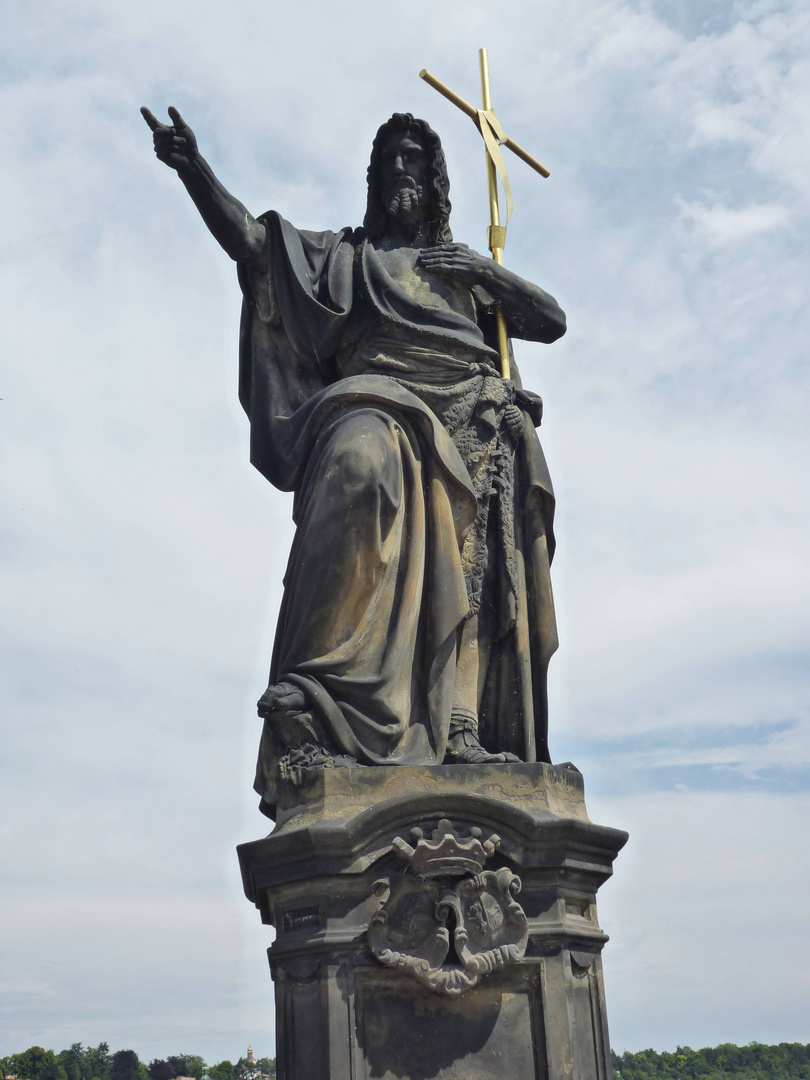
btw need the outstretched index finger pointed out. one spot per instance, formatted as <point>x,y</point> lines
<point>151,119</point>
<point>177,119</point>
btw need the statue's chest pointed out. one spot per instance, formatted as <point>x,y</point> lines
<point>429,290</point>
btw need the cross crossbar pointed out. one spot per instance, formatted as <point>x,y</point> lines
<point>472,112</point>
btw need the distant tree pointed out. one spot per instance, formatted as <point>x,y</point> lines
<point>787,1061</point>
<point>193,1065</point>
<point>98,1062</point>
<point>35,1063</point>
<point>176,1065</point>
<point>160,1069</point>
<point>221,1071</point>
<point>72,1061</point>
<point>124,1065</point>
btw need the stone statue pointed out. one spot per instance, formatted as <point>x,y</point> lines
<point>417,621</point>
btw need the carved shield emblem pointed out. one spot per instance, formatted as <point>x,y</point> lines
<point>446,925</point>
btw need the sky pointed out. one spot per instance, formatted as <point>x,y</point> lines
<point>142,556</point>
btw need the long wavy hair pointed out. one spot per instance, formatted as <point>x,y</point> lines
<point>375,220</point>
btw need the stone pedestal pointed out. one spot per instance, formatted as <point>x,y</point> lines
<point>436,923</point>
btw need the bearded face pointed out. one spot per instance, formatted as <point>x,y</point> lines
<point>403,175</point>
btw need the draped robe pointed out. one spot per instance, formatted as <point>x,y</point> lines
<point>367,396</point>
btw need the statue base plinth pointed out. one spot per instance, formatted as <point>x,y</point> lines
<point>436,923</point>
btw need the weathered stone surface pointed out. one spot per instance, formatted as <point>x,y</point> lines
<point>448,922</point>
<point>344,858</point>
<point>417,621</point>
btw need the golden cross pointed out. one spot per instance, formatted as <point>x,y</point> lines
<point>494,138</point>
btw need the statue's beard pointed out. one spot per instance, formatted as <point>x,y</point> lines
<point>406,200</point>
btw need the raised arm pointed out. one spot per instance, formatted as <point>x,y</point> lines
<point>232,225</point>
<point>532,313</point>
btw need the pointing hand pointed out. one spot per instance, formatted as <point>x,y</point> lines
<point>175,144</point>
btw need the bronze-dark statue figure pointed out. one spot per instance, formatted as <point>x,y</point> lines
<point>417,620</point>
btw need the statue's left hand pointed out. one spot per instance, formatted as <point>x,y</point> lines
<point>456,259</point>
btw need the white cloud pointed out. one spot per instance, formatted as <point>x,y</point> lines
<point>718,224</point>
<point>690,912</point>
<point>142,557</point>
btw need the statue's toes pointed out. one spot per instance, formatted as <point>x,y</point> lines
<point>477,755</point>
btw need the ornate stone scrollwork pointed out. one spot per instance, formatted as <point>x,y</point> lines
<point>446,920</point>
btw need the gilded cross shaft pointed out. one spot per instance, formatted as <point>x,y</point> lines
<point>494,138</point>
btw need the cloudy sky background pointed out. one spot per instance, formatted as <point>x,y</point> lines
<point>142,556</point>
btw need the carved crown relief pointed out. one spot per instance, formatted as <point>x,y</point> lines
<point>445,919</point>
